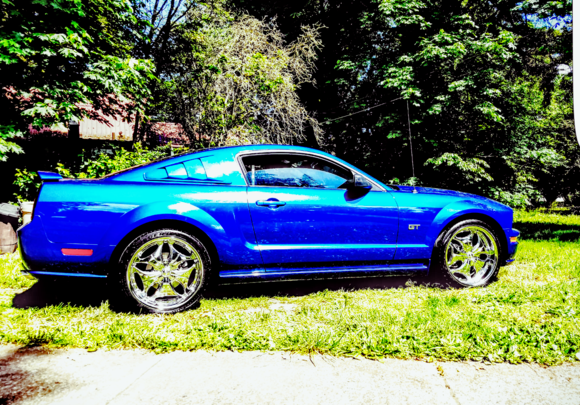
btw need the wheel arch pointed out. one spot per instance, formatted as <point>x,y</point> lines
<point>177,225</point>
<point>493,224</point>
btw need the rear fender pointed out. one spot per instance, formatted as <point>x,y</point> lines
<point>159,211</point>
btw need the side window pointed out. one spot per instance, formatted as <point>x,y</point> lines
<point>289,170</point>
<point>188,170</point>
<point>176,171</point>
<point>195,169</point>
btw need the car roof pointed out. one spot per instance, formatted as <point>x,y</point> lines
<point>229,152</point>
<point>242,148</point>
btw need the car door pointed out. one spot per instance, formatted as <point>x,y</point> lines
<point>305,217</point>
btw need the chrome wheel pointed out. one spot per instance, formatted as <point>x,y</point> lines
<point>472,256</point>
<point>164,273</point>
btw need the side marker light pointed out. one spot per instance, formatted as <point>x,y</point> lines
<point>77,252</point>
<point>513,239</point>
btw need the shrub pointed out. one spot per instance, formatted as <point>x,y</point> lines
<point>92,166</point>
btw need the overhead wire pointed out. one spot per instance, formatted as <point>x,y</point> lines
<point>361,111</point>
<point>411,146</point>
<point>408,123</point>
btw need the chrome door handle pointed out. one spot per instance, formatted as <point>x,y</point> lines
<point>271,203</point>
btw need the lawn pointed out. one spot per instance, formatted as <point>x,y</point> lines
<point>529,315</point>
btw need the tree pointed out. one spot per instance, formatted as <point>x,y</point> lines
<point>59,56</point>
<point>228,77</point>
<point>463,67</point>
<point>239,85</point>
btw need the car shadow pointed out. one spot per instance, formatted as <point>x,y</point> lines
<point>298,288</point>
<point>76,292</point>
<point>92,293</point>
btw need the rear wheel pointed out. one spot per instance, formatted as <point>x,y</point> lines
<point>162,271</point>
<point>468,254</point>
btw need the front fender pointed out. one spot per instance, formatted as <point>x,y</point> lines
<point>462,208</point>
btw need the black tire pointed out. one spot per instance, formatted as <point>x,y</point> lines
<point>463,272</point>
<point>160,255</point>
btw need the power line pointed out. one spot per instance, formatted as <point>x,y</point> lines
<point>411,146</point>
<point>408,123</point>
<point>358,112</point>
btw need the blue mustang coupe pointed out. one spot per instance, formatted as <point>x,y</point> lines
<point>160,232</point>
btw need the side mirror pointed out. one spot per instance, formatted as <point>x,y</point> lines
<point>361,183</point>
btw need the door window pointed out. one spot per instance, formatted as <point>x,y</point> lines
<point>291,170</point>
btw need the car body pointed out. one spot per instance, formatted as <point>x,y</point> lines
<point>299,213</point>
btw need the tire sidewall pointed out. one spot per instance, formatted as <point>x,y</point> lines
<point>121,296</point>
<point>439,260</point>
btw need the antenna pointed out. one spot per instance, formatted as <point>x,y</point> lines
<point>411,145</point>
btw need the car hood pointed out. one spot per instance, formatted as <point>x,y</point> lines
<point>440,191</point>
<point>429,190</point>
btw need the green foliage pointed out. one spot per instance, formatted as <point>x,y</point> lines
<point>66,59</point>
<point>489,112</point>
<point>28,184</point>
<point>93,166</point>
<point>233,79</point>
<point>8,132</point>
<point>472,169</point>
<point>104,164</point>
<point>529,315</point>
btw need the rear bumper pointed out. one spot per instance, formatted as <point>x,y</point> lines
<point>43,258</point>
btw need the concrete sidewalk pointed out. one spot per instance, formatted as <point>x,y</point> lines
<point>38,376</point>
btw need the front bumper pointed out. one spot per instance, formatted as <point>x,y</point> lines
<point>512,245</point>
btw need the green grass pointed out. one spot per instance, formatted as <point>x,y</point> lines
<point>529,315</point>
<point>537,225</point>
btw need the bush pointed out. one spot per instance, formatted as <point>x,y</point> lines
<point>92,166</point>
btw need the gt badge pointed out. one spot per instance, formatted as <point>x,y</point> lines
<point>414,226</point>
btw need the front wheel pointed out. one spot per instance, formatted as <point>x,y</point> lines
<point>468,254</point>
<point>162,271</point>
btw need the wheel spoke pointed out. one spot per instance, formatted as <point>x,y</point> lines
<point>464,270</point>
<point>471,255</point>
<point>466,241</point>
<point>478,264</point>
<point>184,271</point>
<point>146,273</point>
<point>183,277</point>
<point>160,272</point>
<point>461,257</point>
<point>153,256</point>
<point>478,245</point>
<point>182,285</point>
<point>150,282</point>
<point>180,259</point>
